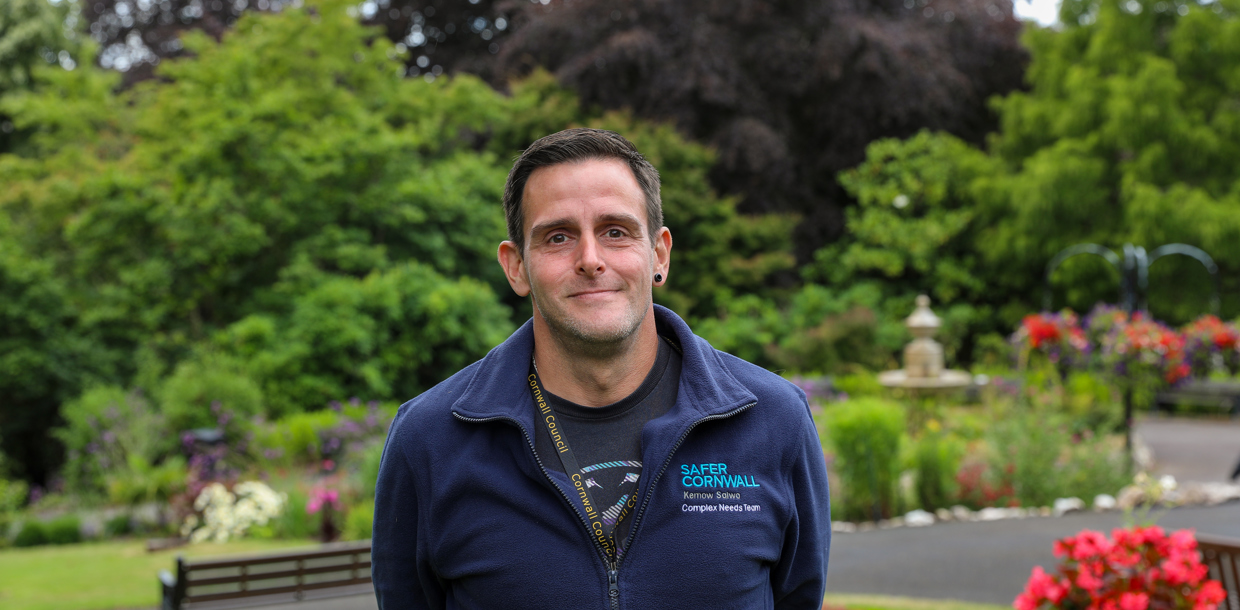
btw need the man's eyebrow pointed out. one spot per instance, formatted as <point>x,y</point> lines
<point>543,227</point>
<point>556,223</point>
<point>622,218</point>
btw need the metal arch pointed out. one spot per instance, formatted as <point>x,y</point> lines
<point>1201,257</point>
<point>1136,263</point>
<point>1071,251</point>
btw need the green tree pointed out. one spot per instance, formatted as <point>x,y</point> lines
<point>285,208</point>
<point>33,33</point>
<point>1127,134</point>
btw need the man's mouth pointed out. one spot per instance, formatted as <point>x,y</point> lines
<point>593,292</point>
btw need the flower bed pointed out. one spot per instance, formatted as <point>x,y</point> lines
<point>1136,569</point>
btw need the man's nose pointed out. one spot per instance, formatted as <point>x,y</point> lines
<point>589,257</point>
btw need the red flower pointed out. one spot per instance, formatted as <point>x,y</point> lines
<point>1132,570</point>
<point>1041,330</point>
<point>1134,601</point>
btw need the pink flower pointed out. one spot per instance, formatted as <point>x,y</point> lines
<point>321,497</point>
<point>1134,601</point>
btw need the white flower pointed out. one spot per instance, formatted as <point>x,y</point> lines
<point>230,514</point>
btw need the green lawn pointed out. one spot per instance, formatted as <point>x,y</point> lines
<point>111,575</point>
<point>103,575</point>
<point>858,601</point>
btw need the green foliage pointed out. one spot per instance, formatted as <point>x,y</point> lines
<point>936,459</point>
<point>12,495</point>
<point>1127,133</point>
<point>108,430</point>
<point>296,439</point>
<point>199,386</point>
<point>281,219</point>
<point>392,333</point>
<point>140,481</point>
<point>866,434</point>
<point>32,533</point>
<point>1096,465</point>
<point>858,383</point>
<point>295,522</point>
<point>818,331</point>
<point>33,33</point>
<point>117,526</point>
<point>1091,403</point>
<point>369,475</point>
<point>1027,448</point>
<point>12,499</point>
<point>64,530</point>
<point>359,524</point>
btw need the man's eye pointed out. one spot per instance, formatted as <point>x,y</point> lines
<point>558,238</point>
<point>615,234</point>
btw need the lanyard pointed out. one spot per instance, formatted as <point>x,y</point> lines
<point>560,441</point>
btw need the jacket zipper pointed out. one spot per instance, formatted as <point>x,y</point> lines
<point>613,566</point>
<point>667,462</point>
<point>613,588</point>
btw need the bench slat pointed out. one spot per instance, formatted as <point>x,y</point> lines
<point>1222,557</point>
<point>254,577</point>
<point>304,555</point>
<point>277,590</point>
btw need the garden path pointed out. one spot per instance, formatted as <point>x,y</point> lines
<point>1192,449</point>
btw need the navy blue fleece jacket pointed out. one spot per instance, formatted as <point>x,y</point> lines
<point>732,510</point>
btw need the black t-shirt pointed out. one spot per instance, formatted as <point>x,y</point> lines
<point>607,441</point>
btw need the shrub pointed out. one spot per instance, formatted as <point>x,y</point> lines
<point>936,458</point>
<point>104,429</point>
<point>295,522</point>
<point>359,523</point>
<point>32,533</point>
<point>64,530</point>
<point>196,392</point>
<point>12,495</point>
<point>296,439</point>
<point>369,474</point>
<point>1027,450</point>
<point>858,384</point>
<point>1095,465</point>
<point>866,435</point>
<point>117,526</point>
<point>1091,403</point>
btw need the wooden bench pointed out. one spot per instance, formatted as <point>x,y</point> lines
<point>1222,556</point>
<point>331,570</point>
<point>1223,395</point>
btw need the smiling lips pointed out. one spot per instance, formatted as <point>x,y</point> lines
<point>593,292</point>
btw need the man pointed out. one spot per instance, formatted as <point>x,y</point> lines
<point>603,456</point>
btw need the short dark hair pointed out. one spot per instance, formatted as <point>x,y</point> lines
<point>573,145</point>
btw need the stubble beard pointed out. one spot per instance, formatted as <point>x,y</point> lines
<point>598,343</point>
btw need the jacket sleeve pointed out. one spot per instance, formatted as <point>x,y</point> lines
<point>403,577</point>
<point>799,579</point>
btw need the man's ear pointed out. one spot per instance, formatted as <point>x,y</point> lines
<point>663,253</point>
<point>514,267</point>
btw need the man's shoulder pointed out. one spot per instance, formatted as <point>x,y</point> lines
<point>767,386</point>
<point>433,408</point>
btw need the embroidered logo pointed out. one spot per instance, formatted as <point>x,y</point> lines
<point>722,485</point>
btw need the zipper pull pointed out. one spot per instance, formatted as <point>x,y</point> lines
<point>613,589</point>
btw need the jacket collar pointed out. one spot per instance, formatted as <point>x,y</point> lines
<point>500,388</point>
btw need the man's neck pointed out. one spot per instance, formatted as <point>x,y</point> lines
<point>592,377</point>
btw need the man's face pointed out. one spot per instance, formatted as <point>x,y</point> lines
<point>588,261</point>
